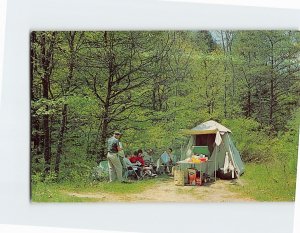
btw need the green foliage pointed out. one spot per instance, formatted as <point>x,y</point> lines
<point>251,140</point>
<point>267,182</point>
<point>76,169</point>
<point>285,149</point>
<point>257,145</point>
<point>152,85</point>
<point>98,174</point>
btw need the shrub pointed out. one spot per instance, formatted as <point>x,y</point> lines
<point>250,139</point>
<point>97,174</point>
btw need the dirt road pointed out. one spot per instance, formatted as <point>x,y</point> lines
<point>166,191</point>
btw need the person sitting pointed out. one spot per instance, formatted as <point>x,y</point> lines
<point>134,157</point>
<point>148,157</point>
<point>147,170</point>
<point>138,160</point>
<point>132,166</point>
<point>140,157</point>
<point>172,157</point>
<point>149,163</point>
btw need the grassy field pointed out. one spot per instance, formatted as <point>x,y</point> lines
<point>267,183</point>
<point>56,192</point>
<point>260,183</point>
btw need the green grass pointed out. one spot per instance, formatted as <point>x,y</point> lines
<point>260,182</point>
<point>267,183</point>
<point>57,192</point>
<point>54,193</point>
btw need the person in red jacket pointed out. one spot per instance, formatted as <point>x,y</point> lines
<point>134,158</point>
<point>140,157</point>
<point>137,161</point>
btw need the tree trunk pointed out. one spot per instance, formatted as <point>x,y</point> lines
<point>47,55</point>
<point>272,101</point>
<point>47,148</point>
<point>103,137</point>
<point>32,61</point>
<point>60,137</point>
<point>63,124</point>
<point>225,81</point>
<point>272,95</point>
<point>35,124</point>
<point>108,40</point>
<point>249,103</point>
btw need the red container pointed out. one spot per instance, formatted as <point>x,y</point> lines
<point>203,159</point>
<point>192,176</point>
<point>198,181</point>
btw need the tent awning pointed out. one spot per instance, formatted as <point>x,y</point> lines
<point>196,132</point>
<point>208,127</point>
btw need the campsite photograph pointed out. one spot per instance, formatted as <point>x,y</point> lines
<point>164,116</point>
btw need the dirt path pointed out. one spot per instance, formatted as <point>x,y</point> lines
<point>166,191</point>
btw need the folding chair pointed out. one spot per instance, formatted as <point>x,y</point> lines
<point>131,172</point>
<point>148,172</point>
<point>160,167</point>
<point>103,165</point>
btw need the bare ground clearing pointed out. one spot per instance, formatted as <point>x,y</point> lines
<point>166,191</point>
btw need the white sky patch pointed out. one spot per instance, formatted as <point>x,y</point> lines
<point>285,4</point>
<point>35,229</point>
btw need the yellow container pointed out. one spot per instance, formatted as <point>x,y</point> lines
<point>179,177</point>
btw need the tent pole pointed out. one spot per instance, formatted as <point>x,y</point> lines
<point>216,164</point>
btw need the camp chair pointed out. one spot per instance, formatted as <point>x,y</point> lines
<point>131,173</point>
<point>160,167</point>
<point>100,172</point>
<point>148,171</point>
<point>104,166</point>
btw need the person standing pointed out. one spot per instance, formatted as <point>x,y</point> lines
<point>167,159</point>
<point>114,163</point>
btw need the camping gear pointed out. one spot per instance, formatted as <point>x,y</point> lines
<point>179,178</point>
<point>131,172</point>
<point>198,178</point>
<point>201,150</point>
<point>100,172</point>
<point>225,176</point>
<point>198,181</point>
<point>103,166</point>
<point>192,176</point>
<point>217,139</point>
<point>199,166</point>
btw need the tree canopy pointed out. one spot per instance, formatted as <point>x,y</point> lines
<point>152,84</point>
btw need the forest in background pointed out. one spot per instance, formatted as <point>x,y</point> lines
<point>151,85</point>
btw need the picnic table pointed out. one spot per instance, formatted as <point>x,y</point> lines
<point>202,167</point>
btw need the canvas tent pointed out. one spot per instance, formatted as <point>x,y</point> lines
<point>222,151</point>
